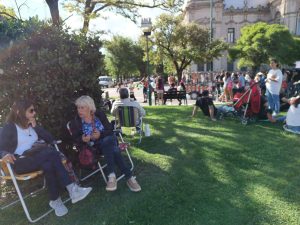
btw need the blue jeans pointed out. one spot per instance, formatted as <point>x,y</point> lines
<point>273,102</point>
<point>49,161</point>
<point>294,128</point>
<point>110,149</point>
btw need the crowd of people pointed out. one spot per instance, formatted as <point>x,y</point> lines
<point>273,88</point>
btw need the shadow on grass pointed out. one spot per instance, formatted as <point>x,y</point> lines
<point>245,161</point>
<point>194,171</point>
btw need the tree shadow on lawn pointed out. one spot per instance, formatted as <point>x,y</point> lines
<point>102,207</point>
<point>197,176</point>
<point>250,165</point>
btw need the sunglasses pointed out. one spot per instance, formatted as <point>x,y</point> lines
<point>31,110</point>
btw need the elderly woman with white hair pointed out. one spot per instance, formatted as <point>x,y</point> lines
<point>91,125</point>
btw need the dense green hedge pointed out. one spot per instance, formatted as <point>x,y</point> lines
<point>50,66</point>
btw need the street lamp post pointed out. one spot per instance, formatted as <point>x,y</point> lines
<point>146,25</point>
<point>211,20</point>
<point>211,29</point>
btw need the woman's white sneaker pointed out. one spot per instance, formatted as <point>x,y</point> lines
<point>78,193</point>
<point>59,208</point>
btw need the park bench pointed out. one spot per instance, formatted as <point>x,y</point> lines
<point>179,95</point>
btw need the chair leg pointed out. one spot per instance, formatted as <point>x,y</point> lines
<point>102,172</point>
<point>89,175</point>
<point>129,157</point>
<point>22,199</point>
<point>29,195</point>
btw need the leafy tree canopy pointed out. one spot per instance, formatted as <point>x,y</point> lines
<point>90,9</point>
<point>124,58</point>
<point>182,43</point>
<point>51,66</point>
<point>260,42</point>
<point>6,12</point>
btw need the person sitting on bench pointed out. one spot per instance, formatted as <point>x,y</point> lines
<point>172,90</point>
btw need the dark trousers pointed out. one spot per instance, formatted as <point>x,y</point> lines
<point>109,147</point>
<point>48,160</point>
<point>235,90</point>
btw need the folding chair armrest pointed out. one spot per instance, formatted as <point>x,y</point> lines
<point>56,142</point>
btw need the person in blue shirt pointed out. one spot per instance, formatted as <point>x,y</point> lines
<point>91,126</point>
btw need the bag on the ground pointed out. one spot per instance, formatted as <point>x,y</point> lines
<point>87,158</point>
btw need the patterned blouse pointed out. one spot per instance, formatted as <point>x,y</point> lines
<point>88,128</point>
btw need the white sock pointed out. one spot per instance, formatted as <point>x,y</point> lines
<point>70,187</point>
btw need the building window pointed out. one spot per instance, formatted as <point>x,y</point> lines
<point>230,66</point>
<point>298,24</point>
<point>209,66</point>
<point>230,35</point>
<point>200,67</point>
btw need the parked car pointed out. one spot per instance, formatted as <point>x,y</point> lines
<point>106,81</point>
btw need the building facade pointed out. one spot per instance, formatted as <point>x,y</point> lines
<point>229,16</point>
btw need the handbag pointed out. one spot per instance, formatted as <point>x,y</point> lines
<point>87,157</point>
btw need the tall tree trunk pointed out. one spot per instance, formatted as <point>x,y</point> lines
<point>179,73</point>
<point>255,69</point>
<point>88,10</point>
<point>53,6</point>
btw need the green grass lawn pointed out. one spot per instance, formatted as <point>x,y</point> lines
<point>194,171</point>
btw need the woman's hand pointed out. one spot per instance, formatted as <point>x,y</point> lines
<point>96,135</point>
<point>86,138</point>
<point>9,158</point>
<point>293,100</point>
<point>32,122</point>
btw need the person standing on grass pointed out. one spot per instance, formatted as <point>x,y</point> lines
<point>160,89</point>
<point>227,88</point>
<point>273,85</point>
<point>131,90</point>
<point>145,84</point>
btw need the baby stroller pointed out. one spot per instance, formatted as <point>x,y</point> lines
<point>294,89</point>
<point>245,105</point>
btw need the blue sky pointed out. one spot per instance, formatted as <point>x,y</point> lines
<point>114,24</point>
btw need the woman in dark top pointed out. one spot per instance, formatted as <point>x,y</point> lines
<point>18,146</point>
<point>160,89</point>
<point>92,127</point>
